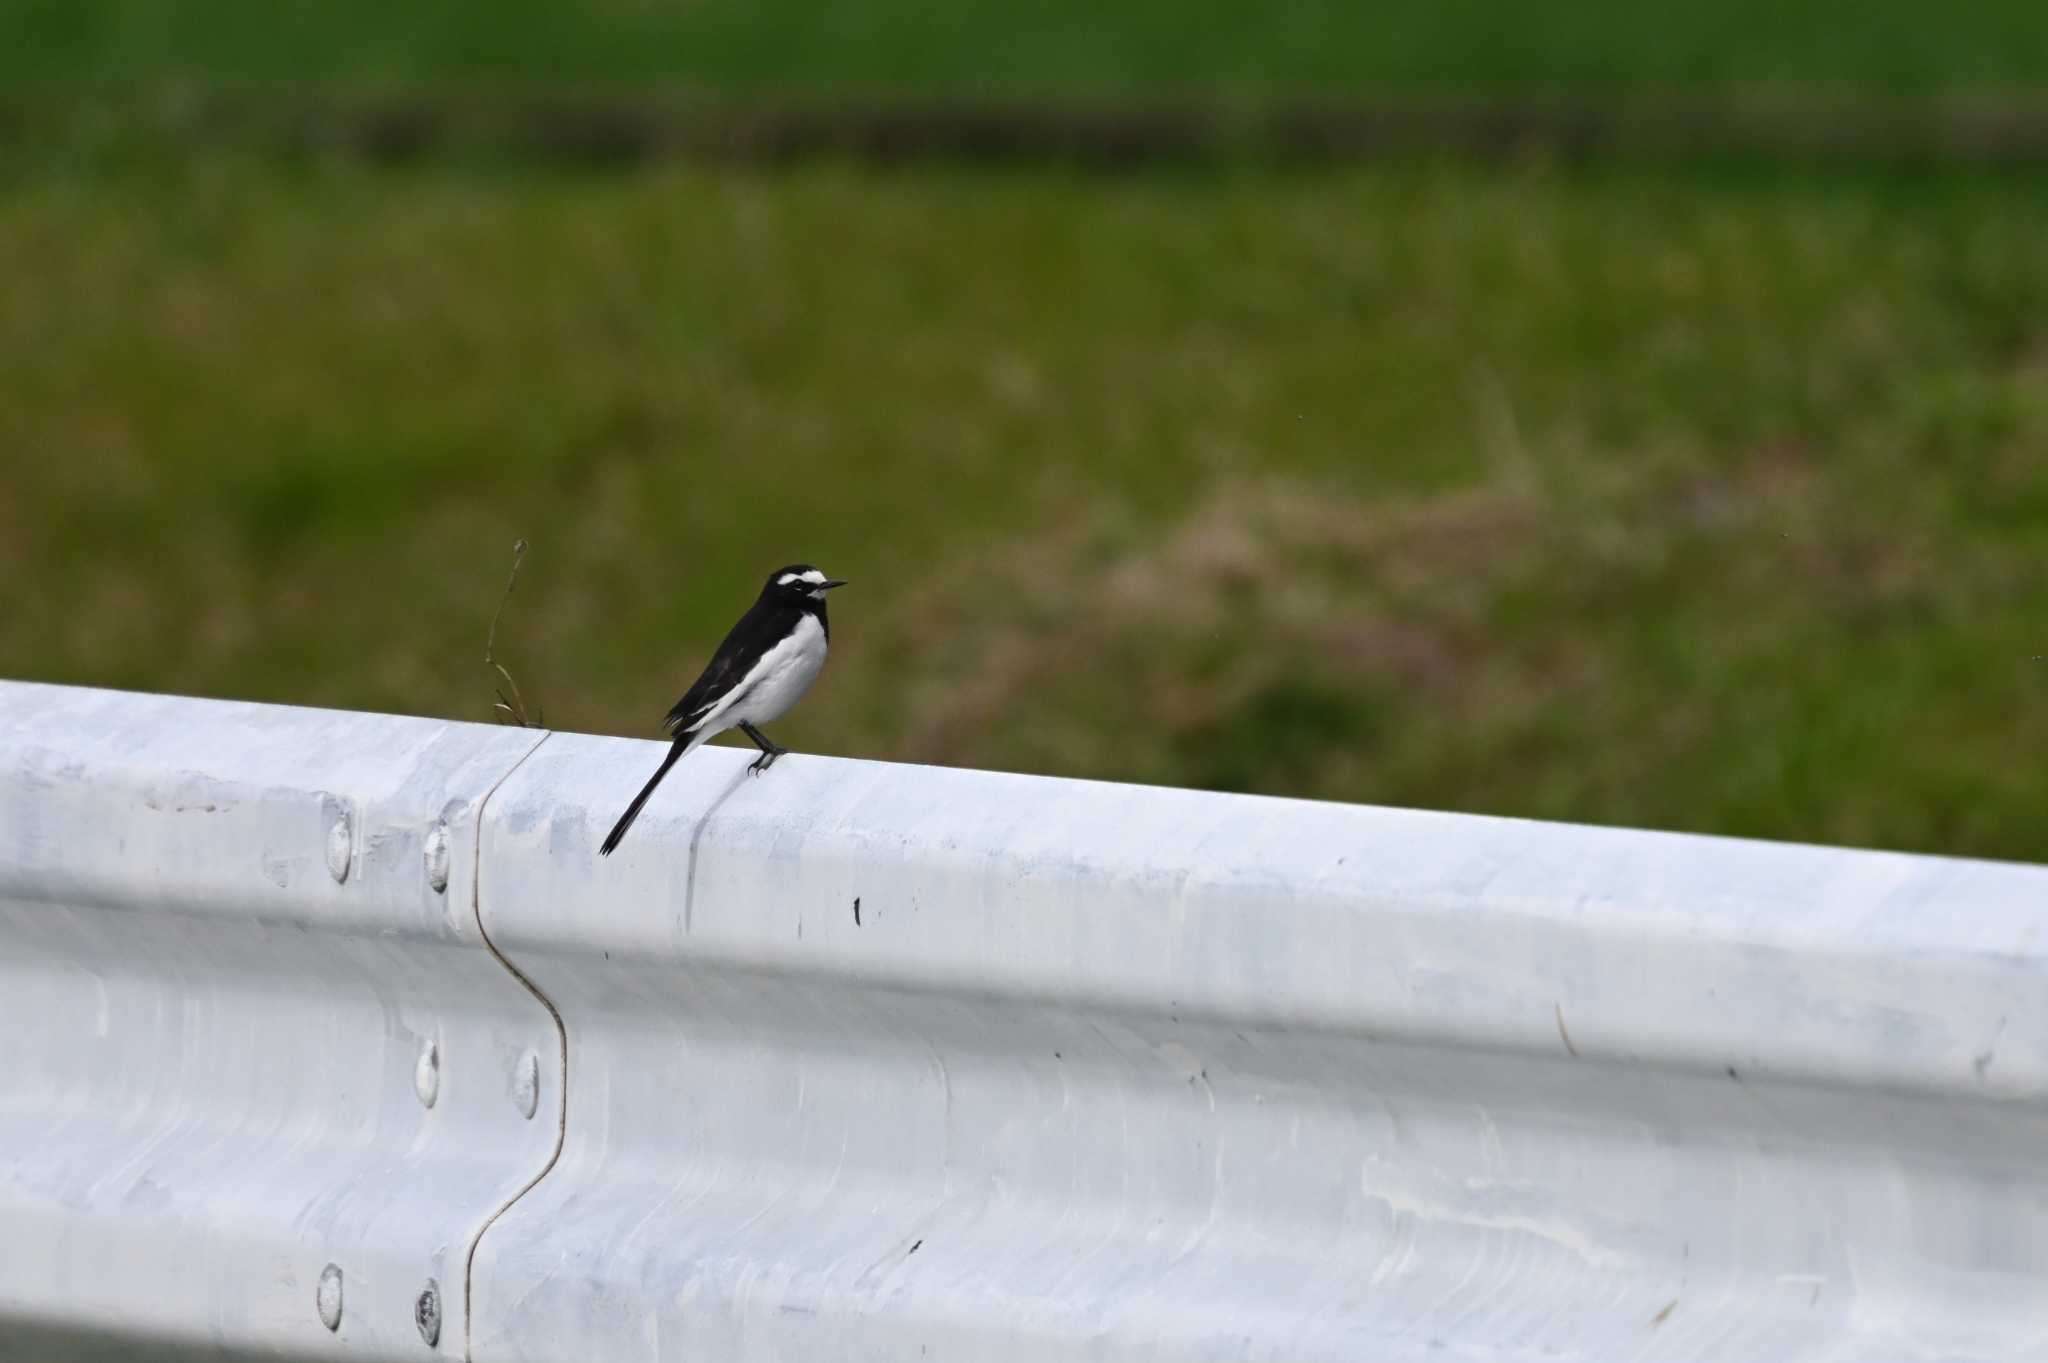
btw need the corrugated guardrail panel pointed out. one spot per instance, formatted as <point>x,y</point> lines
<point>873,1062</point>
<point>222,961</point>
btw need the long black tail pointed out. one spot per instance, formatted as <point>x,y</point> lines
<point>682,745</point>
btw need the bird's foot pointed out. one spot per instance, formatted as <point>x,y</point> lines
<point>765,760</point>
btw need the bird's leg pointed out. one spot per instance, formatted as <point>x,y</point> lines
<point>770,749</point>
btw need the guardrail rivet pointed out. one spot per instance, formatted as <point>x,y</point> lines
<point>328,1296</point>
<point>426,1313</point>
<point>437,858</point>
<point>526,1085</point>
<point>426,1075</point>
<point>340,847</point>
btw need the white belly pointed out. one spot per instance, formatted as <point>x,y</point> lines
<point>785,673</point>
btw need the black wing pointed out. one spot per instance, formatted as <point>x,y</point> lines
<point>758,630</point>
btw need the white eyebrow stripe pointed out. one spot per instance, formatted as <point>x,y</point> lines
<point>785,579</point>
<point>814,576</point>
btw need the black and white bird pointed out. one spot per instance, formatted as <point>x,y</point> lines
<point>765,665</point>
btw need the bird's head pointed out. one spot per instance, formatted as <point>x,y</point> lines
<point>800,582</point>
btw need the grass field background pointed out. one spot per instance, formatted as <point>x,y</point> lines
<point>1654,494</point>
<point>1047,46</point>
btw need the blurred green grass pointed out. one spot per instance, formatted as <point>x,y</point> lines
<point>1643,495</point>
<point>1605,47</point>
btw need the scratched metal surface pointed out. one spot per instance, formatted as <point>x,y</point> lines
<point>231,974</point>
<point>874,1062</point>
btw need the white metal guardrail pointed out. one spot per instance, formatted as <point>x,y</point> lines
<point>250,1027</point>
<point>860,1061</point>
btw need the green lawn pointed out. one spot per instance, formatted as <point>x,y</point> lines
<point>980,46</point>
<point>1714,502</point>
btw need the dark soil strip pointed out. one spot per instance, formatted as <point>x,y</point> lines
<point>611,129</point>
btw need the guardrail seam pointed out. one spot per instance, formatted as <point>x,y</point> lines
<point>561,1038</point>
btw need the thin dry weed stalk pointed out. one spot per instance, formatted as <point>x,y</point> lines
<point>509,709</point>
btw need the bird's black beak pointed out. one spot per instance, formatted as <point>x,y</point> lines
<point>829,583</point>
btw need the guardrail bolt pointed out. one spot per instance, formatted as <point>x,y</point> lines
<point>426,1313</point>
<point>426,1075</point>
<point>340,846</point>
<point>526,1085</point>
<point>437,858</point>
<point>328,1296</point>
